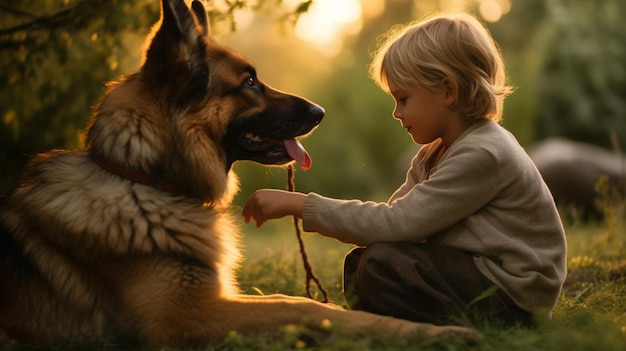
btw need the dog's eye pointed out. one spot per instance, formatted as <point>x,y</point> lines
<point>250,81</point>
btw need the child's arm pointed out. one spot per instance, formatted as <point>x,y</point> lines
<point>271,204</point>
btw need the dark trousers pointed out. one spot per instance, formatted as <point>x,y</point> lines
<point>425,283</point>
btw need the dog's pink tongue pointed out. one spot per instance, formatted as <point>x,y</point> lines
<point>298,153</point>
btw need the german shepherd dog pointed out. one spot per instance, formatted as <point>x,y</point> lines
<point>132,238</point>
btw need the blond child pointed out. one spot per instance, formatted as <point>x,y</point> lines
<point>473,218</point>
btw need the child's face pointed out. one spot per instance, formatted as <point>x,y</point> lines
<point>423,112</point>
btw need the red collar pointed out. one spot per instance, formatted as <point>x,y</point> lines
<point>136,176</point>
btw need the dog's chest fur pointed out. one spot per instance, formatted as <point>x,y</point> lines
<point>91,239</point>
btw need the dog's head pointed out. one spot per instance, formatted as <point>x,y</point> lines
<point>194,108</point>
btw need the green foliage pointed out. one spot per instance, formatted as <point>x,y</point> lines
<point>515,33</point>
<point>56,57</point>
<point>582,82</point>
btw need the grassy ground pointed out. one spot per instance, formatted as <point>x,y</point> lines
<point>591,313</point>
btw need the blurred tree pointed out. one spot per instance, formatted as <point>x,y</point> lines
<point>582,80</point>
<point>56,55</point>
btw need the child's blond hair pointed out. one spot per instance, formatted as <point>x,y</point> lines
<point>456,47</point>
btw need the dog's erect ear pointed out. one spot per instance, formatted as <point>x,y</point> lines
<point>200,12</point>
<point>177,50</point>
<point>179,33</point>
<point>176,20</point>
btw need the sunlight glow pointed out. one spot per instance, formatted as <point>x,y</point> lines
<point>373,8</point>
<point>244,18</point>
<point>489,10</point>
<point>326,23</point>
<point>493,10</point>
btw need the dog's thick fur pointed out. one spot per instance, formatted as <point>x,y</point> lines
<point>131,238</point>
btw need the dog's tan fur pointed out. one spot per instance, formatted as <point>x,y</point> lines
<point>86,251</point>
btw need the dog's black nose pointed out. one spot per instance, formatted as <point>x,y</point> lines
<point>317,113</point>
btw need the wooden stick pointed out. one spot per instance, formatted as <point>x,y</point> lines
<point>310,276</point>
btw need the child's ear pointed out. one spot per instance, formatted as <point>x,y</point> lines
<point>450,91</point>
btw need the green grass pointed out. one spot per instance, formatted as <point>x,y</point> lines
<point>590,315</point>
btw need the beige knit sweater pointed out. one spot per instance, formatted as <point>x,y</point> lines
<point>484,195</point>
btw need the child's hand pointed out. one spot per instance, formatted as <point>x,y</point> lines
<point>270,204</point>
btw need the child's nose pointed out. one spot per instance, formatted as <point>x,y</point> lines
<point>396,113</point>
